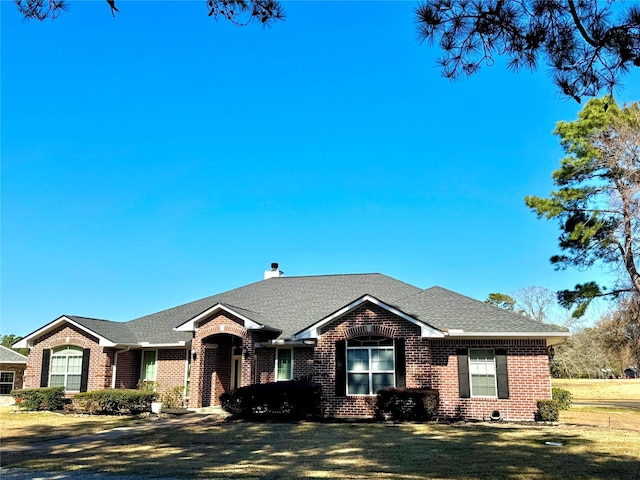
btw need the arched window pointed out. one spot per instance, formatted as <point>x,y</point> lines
<point>66,368</point>
<point>370,365</point>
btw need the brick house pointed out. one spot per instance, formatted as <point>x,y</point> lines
<point>12,366</point>
<point>353,334</point>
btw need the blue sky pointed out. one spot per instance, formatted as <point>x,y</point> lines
<point>159,157</point>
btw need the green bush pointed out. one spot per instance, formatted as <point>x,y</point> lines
<point>115,401</point>
<point>401,404</point>
<point>548,411</point>
<point>562,397</point>
<point>290,400</point>
<point>48,398</point>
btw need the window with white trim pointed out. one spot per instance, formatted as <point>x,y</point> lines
<point>284,364</point>
<point>482,372</point>
<point>148,373</point>
<point>66,368</point>
<point>370,365</point>
<point>6,382</point>
<point>187,376</point>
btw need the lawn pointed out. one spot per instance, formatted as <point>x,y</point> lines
<point>25,427</point>
<point>584,389</point>
<point>244,450</point>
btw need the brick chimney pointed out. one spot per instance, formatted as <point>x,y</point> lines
<point>274,272</point>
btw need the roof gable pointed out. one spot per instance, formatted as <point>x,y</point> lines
<point>314,330</point>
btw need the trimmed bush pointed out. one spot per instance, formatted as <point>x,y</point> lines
<point>401,404</point>
<point>115,401</point>
<point>48,398</point>
<point>547,411</point>
<point>290,400</point>
<point>562,397</point>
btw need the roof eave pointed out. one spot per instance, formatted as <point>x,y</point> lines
<point>190,325</point>
<point>553,338</point>
<point>426,331</point>
<point>27,342</point>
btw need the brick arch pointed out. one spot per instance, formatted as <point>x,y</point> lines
<point>220,328</point>
<point>73,341</point>
<point>363,330</point>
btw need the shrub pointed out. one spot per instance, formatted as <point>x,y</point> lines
<point>48,398</point>
<point>562,397</point>
<point>293,400</point>
<point>400,404</point>
<point>547,411</point>
<point>172,398</point>
<point>115,401</point>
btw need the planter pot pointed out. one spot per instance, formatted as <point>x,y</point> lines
<point>156,407</point>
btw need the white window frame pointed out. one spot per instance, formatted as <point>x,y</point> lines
<point>66,373</point>
<point>13,381</point>
<point>155,370</point>
<point>472,366</point>
<point>277,370</point>
<point>370,371</point>
<point>187,375</point>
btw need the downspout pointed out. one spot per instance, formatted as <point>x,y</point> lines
<point>115,366</point>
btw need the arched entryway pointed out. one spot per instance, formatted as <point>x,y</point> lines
<point>221,366</point>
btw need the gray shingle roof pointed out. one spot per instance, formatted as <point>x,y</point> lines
<point>444,310</point>
<point>9,356</point>
<point>292,304</point>
<point>285,303</point>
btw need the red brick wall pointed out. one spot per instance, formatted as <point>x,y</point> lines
<point>100,359</point>
<point>171,368</point>
<point>128,369</point>
<point>528,371</point>
<point>433,363</point>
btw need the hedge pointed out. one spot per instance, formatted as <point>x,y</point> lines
<point>48,398</point>
<point>293,400</point>
<point>115,401</point>
<point>549,410</point>
<point>401,404</point>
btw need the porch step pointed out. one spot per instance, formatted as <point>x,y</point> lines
<point>209,410</point>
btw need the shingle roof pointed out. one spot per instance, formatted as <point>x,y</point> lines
<point>285,303</point>
<point>444,310</point>
<point>292,304</point>
<point>9,356</point>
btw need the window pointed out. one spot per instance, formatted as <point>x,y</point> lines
<point>187,376</point>
<point>284,364</point>
<point>148,373</point>
<point>482,371</point>
<point>66,368</point>
<point>6,383</point>
<point>370,365</point>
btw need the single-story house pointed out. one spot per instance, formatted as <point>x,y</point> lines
<point>354,334</point>
<point>12,366</point>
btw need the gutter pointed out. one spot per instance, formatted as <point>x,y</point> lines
<point>115,366</point>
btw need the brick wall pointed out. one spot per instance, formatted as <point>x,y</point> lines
<point>100,360</point>
<point>432,363</point>
<point>527,368</point>
<point>128,369</point>
<point>171,368</point>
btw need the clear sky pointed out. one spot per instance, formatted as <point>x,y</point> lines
<point>158,157</point>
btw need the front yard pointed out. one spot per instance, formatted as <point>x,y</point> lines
<point>245,450</point>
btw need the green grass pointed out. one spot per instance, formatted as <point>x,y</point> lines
<point>243,450</point>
